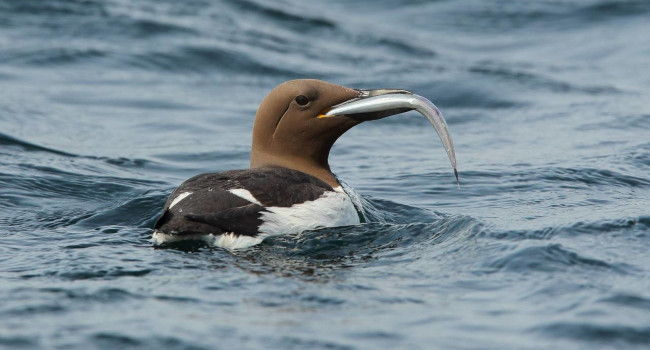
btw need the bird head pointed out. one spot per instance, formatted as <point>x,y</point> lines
<point>299,120</point>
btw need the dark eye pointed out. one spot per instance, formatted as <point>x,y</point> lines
<point>302,100</point>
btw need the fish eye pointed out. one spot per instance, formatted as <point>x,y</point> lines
<point>302,100</point>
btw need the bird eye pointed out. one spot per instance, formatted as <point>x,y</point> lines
<point>302,100</point>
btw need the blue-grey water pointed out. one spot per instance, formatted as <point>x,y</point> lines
<point>107,105</point>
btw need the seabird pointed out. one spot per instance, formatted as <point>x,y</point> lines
<point>289,187</point>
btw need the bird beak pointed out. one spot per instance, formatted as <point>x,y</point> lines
<point>377,104</point>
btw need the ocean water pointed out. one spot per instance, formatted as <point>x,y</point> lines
<point>107,105</point>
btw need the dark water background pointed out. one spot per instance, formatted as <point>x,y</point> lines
<point>106,106</point>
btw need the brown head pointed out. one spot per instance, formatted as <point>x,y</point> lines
<point>293,128</point>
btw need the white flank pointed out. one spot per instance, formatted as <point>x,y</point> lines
<point>329,210</point>
<point>245,194</point>
<point>179,198</point>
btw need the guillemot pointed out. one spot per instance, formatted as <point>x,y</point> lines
<point>289,187</point>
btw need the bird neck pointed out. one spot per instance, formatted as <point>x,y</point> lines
<point>317,168</point>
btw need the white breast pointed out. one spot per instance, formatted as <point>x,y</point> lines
<point>333,208</point>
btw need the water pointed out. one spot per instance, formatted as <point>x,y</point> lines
<point>106,106</point>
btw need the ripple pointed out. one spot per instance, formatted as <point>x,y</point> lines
<point>144,28</point>
<point>462,94</point>
<point>51,56</point>
<point>547,258</point>
<point>537,81</point>
<point>7,140</point>
<point>81,274</point>
<point>489,183</point>
<point>393,46</point>
<point>204,58</point>
<point>640,156</point>
<point>14,342</point>
<point>194,157</point>
<point>59,219</point>
<point>137,103</point>
<point>13,142</point>
<point>628,300</point>
<point>177,299</point>
<point>141,211</point>
<point>35,309</point>
<point>598,333</point>
<point>289,342</point>
<point>303,21</point>
<point>110,340</point>
<point>54,7</point>
<point>359,241</point>
<point>7,76</point>
<point>72,186</point>
<point>102,295</point>
<point>610,227</point>
<point>321,254</point>
<point>116,340</point>
<point>605,9</point>
<point>591,176</point>
<point>634,121</point>
<point>99,18</point>
<point>495,16</point>
<point>307,301</point>
<point>127,162</point>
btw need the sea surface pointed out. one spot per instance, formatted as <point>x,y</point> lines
<point>107,105</point>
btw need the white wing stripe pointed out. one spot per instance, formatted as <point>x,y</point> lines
<point>245,194</point>
<point>179,198</point>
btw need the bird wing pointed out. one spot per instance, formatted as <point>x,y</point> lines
<point>205,203</point>
<point>244,220</point>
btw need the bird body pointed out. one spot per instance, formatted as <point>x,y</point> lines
<point>239,208</point>
<point>289,187</point>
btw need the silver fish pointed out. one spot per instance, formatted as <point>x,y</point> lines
<point>401,100</point>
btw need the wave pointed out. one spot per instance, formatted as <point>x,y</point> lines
<point>627,300</point>
<point>496,16</point>
<point>141,210</point>
<point>548,258</point>
<point>183,59</point>
<point>609,227</point>
<point>7,140</point>
<point>536,81</point>
<point>464,94</point>
<point>51,56</point>
<point>53,7</point>
<point>13,342</point>
<point>610,8</point>
<point>50,198</point>
<point>598,333</point>
<point>303,21</point>
<point>487,183</point>
<point>205,58</point>
<point>13,142</point>
<point>640,156</point>
<point>121,340</point>
<point>592,176</point>
<point>111,273</point>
